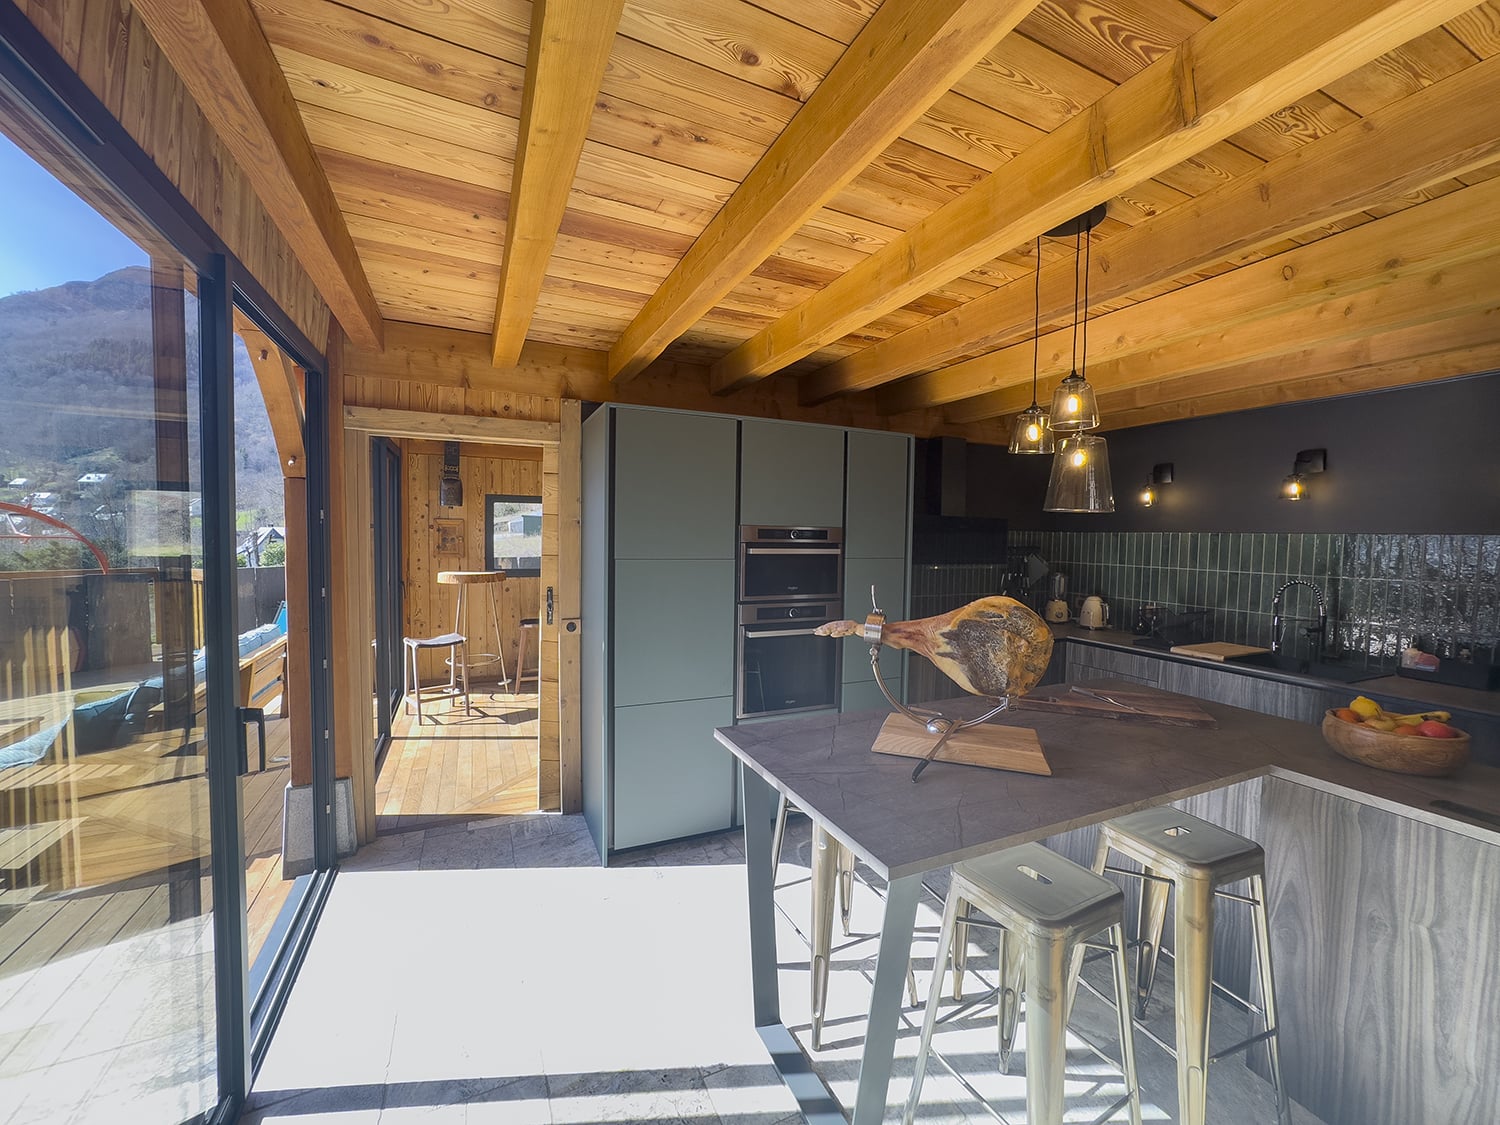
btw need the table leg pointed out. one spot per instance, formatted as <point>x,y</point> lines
<point>885,1000</point>
<point>759,807</point>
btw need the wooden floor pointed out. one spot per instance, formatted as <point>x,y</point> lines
<point>453,764</point>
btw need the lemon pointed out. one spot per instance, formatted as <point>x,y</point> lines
<point>1365,707</point>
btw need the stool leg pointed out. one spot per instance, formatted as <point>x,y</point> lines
<point>823,877</point>
<point>521,662</point>
<point>1150,923</point>
<point>846,886</point>
<point>1121,973</point>
<point>1046,1029</point>
<point>778,834</point>
<point>1193,966</point>
<point>1268,995</point>
<point>405,678</point>
<point>960,949</point>
<point>934,997</point>
<point>1012,968</point>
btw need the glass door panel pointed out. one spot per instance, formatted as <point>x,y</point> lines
<point>107,989</point>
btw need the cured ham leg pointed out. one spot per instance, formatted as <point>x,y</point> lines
<point>994,646</point>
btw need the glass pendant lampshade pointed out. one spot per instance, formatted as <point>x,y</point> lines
<point>1031,433</point>
<point>1074,408</point>
<point>1080,476</point>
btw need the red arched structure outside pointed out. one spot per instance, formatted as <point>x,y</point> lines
<point>50,521</point>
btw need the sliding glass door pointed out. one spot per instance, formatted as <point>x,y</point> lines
<point>385,492</point>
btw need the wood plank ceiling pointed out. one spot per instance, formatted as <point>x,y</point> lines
<point>1302,195</point>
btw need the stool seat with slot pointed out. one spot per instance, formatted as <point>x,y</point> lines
<point>1190,861</point>
<point>1047,909</point>
<point>458,669</point>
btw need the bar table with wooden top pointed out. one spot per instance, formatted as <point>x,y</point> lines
<point>1101,768</point>
<point>489,579</point>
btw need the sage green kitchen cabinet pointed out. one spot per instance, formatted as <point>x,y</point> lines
<point>673,630</point>
<point>878,508</point>
<point>674,481</point>
<point>791,474</point>
<point>671,778</point>
<point>889,578</point>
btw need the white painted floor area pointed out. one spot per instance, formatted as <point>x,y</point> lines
<point>492,972</point>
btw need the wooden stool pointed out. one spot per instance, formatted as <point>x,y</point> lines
<point>528,625</point>
<point>1047,907</point>
<point>489,579</point>
<point>456,644</point>
<point>1189,859</point>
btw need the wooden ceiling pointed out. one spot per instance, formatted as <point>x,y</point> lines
<point>1302,195</point>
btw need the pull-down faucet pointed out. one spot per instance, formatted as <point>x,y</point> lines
<point>1321,628</point>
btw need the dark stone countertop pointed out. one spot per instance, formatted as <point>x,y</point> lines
<point>1101,768</point>
<point>1421,695</point>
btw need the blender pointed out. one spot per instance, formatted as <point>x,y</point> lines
<point>1057,598</point>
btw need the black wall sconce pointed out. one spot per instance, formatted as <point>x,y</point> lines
<point>1160,474</point>
<point>1308,461</point>
<point>450,487</point>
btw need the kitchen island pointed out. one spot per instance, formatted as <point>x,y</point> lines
<point>1384,889</point>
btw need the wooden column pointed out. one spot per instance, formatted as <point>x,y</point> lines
<point>569,517</point>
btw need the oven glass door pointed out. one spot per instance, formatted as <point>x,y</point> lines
<point>784,668</point>
<point>789,573</point>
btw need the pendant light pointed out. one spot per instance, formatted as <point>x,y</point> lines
<point>1079,481</point>
<point>1074,408</point>
<point>1032,433</point>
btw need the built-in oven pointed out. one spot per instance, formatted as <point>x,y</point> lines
<point>785,564</point>
<point>781,664</point>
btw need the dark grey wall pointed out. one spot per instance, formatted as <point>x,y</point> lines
<point>1417,460</point>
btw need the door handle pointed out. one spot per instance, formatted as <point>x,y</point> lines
<point>549,605</point>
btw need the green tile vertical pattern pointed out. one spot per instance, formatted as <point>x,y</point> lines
<point>1382,590</point>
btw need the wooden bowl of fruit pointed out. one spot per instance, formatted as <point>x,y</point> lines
<point>1422,743</point>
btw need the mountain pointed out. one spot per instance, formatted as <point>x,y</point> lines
<point>79,393</point>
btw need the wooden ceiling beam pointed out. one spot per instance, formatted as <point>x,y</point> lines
<point>1254,59</point>
<point>281,392</point>
<point>218,49</point>
<point>568,51</point>
<point>1441,234</point>
<point>1439,132</point>
<point>1447,364</point>
<point>907,56</point>
<point>1406,302</point>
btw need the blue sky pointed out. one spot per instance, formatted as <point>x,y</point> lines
<point>47,234</point>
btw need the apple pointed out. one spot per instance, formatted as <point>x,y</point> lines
<point>1434,729</point>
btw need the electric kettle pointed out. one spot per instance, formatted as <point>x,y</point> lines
<point>1094,613</point>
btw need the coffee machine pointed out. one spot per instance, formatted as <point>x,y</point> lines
<point>1057,598</point>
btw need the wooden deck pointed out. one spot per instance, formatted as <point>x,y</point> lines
<point>457,765</point>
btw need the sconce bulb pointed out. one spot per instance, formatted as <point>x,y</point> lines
<point>1033,432</point>
<point>1148,496</point>
<point>1073,406</point>
<point>1079,457</point>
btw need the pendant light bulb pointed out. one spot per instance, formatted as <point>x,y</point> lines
<point>1032,431</point>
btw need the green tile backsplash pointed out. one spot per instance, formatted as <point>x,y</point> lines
<point>1382,590</point>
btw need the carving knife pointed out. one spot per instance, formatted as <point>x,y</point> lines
<point>1102,698</point>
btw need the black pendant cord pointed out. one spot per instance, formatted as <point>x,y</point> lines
<point>1073,351</point>
<point>1036,320</point>
<point>1088,257</point>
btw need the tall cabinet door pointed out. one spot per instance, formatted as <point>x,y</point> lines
<point>791,474</point>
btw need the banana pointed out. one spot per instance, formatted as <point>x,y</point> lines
<point>1419,717</point>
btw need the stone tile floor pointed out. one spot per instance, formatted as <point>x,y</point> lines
<point>490,971</point>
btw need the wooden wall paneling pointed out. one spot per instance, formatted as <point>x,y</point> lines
<point>344,632</point>
<point>569,521</point>
<point>1387,977</point>
<point>355,717</point>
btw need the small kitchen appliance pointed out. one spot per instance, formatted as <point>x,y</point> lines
<point>1094,613</point>
<point>1057,598</point>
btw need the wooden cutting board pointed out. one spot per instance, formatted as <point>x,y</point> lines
<point>1151,706</point>
<point>994,747</point>
<point>1217,650</point>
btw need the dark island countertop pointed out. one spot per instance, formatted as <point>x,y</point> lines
<point>1101,768</point>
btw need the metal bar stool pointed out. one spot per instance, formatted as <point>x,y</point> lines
<point>489,579</point>
<point>1047,908</point>
<point>456,644</point>
<point>1193,858</point>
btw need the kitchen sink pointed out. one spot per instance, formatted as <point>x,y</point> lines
<point>1302,666</point>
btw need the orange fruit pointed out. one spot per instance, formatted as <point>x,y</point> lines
<point>1348,715</point>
